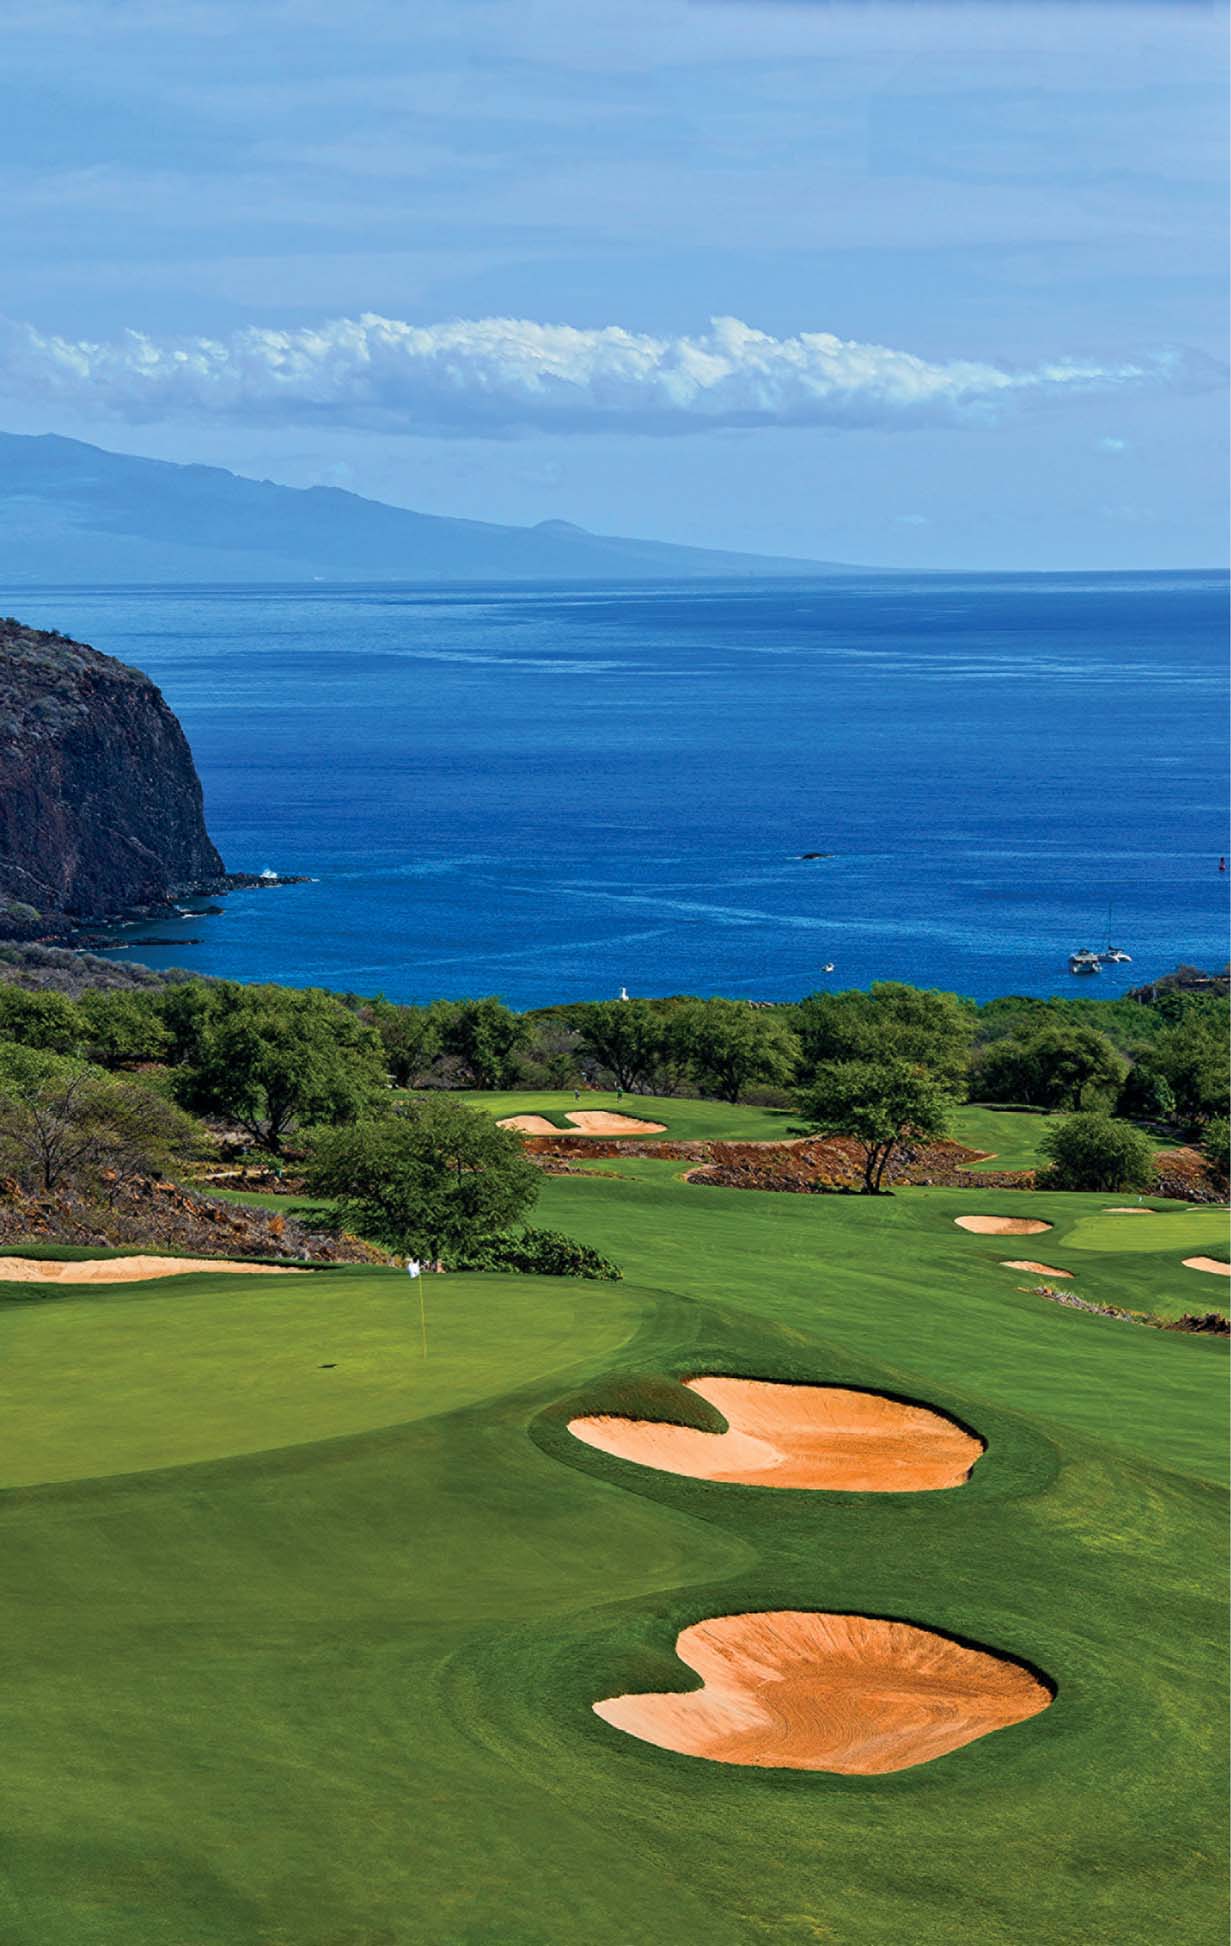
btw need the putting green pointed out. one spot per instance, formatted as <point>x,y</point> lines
<point>682,1119</point>
<point>339,1691</point>
<point>151,1377</point>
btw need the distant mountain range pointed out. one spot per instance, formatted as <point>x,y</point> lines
<point>70,512</point>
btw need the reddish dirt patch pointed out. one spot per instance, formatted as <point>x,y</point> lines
<point>808,1436</point>
<point>794,1690</point>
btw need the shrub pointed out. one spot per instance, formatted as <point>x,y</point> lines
<point>541,1253</point>
<point>1092,1151</point>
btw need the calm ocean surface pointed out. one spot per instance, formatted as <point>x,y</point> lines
<point>549,793</point>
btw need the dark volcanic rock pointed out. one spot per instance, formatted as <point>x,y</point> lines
<point>100,803</point>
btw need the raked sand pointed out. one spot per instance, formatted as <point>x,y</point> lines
<point>796,1690</point>
<point>125,1270</point>
<point>809,1436</point>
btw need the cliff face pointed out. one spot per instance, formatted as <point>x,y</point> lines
<point>100,803</point>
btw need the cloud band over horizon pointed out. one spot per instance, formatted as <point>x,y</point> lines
<point>496,377</point>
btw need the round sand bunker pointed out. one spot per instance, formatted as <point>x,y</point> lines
<point>1002,1226</point>
<point>1028,1263</point>
<point>812,1436</point>
<point>794,1690</point>
<point>1214,1265</point>
<point>125,1270</point>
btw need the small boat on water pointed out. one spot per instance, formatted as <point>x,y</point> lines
<point>1084,961</point>
<point>1116,956</point>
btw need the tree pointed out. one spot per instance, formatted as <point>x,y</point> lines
<point>930,1030</point>
<point>122,1026</point>
<point>1095,1151</point>
<point>65,1122</point>
<point>1216,1149</point>
<point>44,1019</point>
<point>1063,1065</point>
<point>1192,1056</point>
<point>726,1044</point>
<point>626,1038</point>
<point>1145,1094</point>
<point>433,1182</point>
<point>274,1058</point>
<point>410,1036</point>
<point>484,1035</point>
<point>879,1104</point>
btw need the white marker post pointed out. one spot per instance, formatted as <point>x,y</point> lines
<point>414,1270</point>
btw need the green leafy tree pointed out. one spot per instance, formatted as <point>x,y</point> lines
<point>1145,1094</point>
<point>123,1026</point>
<point>929,1030</point>
<point>1216,1149</point>
<point>433,1182</point>
<point>410,1036</point>
<point>484,1036</point>
<point>626,1038</point>
<point>65,1123</point>
<point>274,1059</point>
<point>1063,1065</point>
<point>1192,1056</point>
<point>878,1104</point>
<point>729,1044</point>
<point>43,1019</point>
<point>1095,1151</point>
<point>189,1009</point>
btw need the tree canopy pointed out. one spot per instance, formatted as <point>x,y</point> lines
<point>879,1104</point>
<point>729,1044</point>
<point>1060,1065</point>
<point>275,1058</point>
<point>892,1021</point>
<point>432,1182</point>
<point>1096,1151</point>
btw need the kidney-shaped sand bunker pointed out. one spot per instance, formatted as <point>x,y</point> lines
<point>795,1690</point>
<point>819,1436</point>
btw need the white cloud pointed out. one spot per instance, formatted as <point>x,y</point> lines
<point>499,376</point>
<point>1111,445</point>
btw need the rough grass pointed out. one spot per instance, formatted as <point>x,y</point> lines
<point>336,1691</point>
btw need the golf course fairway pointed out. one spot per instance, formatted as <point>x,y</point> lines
<point>305,1630</point>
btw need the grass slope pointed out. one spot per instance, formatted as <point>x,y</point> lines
<point>337,1693</point>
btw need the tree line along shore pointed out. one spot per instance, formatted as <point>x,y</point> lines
<point>109,1090</point>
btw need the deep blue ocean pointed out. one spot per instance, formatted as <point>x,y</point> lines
<point>549,792</point>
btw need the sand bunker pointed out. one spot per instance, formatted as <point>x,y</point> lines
<point>530,1124</point>
<point>1132,1209</point>
<point>125,1270</point>
<point>1213,1264</point>
<point>793,1690</point>
<point>1027,1263</point>
<point>595,1121</point>
<point>1002,1226</point>
<point>817,1436</point>
<point>586,1121</point>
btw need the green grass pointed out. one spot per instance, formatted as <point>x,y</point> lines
<point>305,1658</point>
<point>682,1118</point>
<point>1009,1135</point>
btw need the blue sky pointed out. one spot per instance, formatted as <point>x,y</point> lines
<point>967,262</point>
